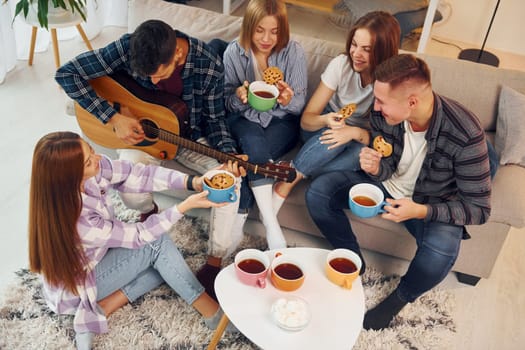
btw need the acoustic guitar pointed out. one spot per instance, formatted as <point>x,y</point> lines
<point>164,119</point>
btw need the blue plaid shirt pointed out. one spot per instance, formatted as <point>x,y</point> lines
<point>203,86</point>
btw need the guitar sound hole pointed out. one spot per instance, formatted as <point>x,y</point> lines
<point>150,129</point>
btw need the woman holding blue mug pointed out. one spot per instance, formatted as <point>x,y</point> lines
<point>91,263</point>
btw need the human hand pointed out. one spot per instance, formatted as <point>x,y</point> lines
<point>334,120</point>
<point>336,137</point>
<point>242,92</point>
<point>198,200</point>
<point>403,209</point>
<point>370,160</point>
<point>285,93</point>
<point>234,167</point>
<point>128,129</point>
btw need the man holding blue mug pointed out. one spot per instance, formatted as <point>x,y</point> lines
<point>436,178</point>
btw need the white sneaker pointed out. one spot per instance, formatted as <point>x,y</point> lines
<point>70,106</point>
<point>196,161</point>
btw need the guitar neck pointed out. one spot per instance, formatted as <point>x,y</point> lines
<point>159,118</point>
<point>213,153</point>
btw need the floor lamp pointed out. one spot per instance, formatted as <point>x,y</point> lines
<point>482,56</point>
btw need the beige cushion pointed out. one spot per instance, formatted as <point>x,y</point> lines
<point>196,22</point>
<point>507,204</point>
<point>510,130</point>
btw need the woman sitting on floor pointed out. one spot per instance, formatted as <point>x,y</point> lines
<point>91,262</point>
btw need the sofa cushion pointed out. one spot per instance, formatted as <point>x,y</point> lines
<point>196,22</point>
<point>507,204</point>
<point>476,86</point>
<point>510,130</point>
<point>318,54</point>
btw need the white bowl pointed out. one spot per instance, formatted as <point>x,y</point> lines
<point>291,313</point>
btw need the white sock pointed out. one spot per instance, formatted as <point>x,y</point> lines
<point>277,201</point>
<point>274,234</point>
<point>237,232</point>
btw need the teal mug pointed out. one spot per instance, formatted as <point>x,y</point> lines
<point>220,195</point>
<point>366,200</point>
<point>261,96</point>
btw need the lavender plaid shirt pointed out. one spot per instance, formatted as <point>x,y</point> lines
<point>99,231</point>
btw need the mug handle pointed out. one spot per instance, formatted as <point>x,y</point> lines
<point>383,204</point>
<point>347,284</point>
<point>233,196</point>
<point>261,282</point>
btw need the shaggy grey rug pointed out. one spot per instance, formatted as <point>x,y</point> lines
<point>161,320</point>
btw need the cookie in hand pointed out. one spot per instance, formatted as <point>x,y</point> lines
<point>382,146</point>
<point>347,110</point>
<point>272,75</point>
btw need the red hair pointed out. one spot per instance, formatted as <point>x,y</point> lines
<point>385,32</point>
<point>55,203</point>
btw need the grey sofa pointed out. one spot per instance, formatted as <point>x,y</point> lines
<point>476,86</point>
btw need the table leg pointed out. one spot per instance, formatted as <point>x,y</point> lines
<point>218,332</point>
<point>32,46</point>
<point>55,46</point>
<point>84,37</point>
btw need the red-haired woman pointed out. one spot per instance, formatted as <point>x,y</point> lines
<point>91,262</point>
<point>331,143</point>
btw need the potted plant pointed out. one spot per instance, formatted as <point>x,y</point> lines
<point>45,9</point>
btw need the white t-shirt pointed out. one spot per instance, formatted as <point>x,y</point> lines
<point>340,77</point>
<point>402,182</point>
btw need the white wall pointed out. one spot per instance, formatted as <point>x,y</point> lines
<point>469,21</point>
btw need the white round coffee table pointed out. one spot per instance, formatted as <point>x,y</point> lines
<point>336,313</point>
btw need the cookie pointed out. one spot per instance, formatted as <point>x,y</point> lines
<point>272,75</point>
<point>220,181</point>
<point>347,110</point>
<point>382,146</point>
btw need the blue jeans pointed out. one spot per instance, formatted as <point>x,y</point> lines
<point>262,145</point>
<point>315,158</point>
<point>437,243</point>
<point>493,160</point>
<point>137,271</point>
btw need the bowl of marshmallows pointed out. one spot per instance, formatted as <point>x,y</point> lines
<point>291,313</point>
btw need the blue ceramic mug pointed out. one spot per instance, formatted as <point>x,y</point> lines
<point>366,200</point>
<point>220,195</point>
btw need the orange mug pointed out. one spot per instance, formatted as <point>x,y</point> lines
<point>342,267</point>
<point>286,274</point>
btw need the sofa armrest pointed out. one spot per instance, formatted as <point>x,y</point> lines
<point>508,196</point>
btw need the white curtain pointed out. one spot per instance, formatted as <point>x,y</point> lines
<point>15,36</point>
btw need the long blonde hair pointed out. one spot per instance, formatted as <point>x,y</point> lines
<point>54,208</point>
<point>255,12</point>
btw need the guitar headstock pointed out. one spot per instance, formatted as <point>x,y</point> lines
<point>279,171</point>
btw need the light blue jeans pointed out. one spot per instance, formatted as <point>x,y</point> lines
<point>137,271</point>
<point>314,158</point>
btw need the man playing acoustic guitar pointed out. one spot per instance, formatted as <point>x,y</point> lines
<point>160,58</point>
